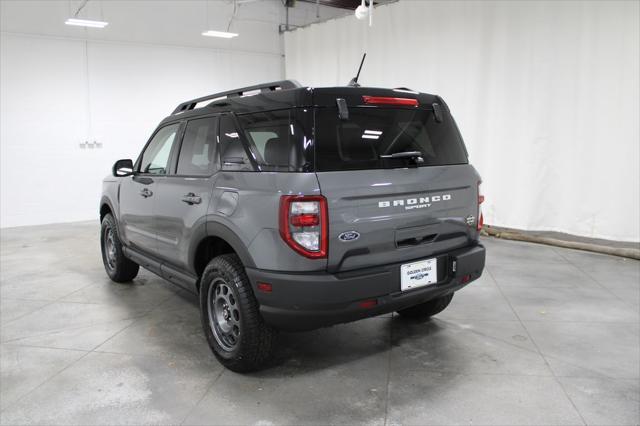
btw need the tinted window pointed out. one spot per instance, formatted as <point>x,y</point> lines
<point>155,158</point>
<point>358,143</point>
<point>279,139</point>
<point>232,152</point>
<point>198,147</point>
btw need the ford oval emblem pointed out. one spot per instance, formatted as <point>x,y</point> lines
<point>349,236</point>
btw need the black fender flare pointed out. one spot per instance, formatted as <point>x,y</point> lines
<point>105,200</point>
<point>211,228</point>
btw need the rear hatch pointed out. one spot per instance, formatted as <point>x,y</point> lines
<point>385,209</point>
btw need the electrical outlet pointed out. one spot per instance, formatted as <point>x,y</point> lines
<point>90,145</point>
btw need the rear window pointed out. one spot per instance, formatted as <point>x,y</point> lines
<point>358,142</point>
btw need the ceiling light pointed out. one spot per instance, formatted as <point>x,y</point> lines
<point>363,11</point>
<point>222,34</point>
<point>86,23</point>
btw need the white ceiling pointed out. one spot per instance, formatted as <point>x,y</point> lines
<point>167,22</point>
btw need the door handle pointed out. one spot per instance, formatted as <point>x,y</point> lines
<point>146,192</point>
<point>191,199</point>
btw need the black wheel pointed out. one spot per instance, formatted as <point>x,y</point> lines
<point>235,330</point>
<point>119,268</point>
<point>427,309</point>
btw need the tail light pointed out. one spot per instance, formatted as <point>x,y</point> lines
<point>383,100</point>
<point>304,224</point>
<point>480,201</point>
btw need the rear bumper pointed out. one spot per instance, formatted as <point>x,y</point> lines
<point>312,300</point>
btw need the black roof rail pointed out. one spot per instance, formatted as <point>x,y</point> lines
<point>266,87</point>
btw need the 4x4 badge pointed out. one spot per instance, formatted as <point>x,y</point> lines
<point>349,236</point>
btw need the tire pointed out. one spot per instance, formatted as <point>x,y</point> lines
<point>231,320</point>
<point>427,309</point>
<point>119,268</point>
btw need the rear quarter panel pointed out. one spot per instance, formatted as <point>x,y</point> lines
<point>254,218</point>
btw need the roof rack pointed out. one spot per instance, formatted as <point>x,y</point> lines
<point>266,87</point>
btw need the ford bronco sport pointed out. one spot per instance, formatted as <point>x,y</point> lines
<point>292,208</point>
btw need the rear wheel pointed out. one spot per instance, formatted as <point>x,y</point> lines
<point>427,309</point>
<point>119,268</point>
<point>233,326</point>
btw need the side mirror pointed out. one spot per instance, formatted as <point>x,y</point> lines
<point>123,168</point>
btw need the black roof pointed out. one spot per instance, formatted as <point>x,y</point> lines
<point>287,94</point>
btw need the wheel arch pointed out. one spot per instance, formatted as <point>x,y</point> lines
<point>106,207</point>
<point>214,239</point>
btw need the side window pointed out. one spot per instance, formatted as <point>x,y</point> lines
<point>232,152</point>
<point>278,139</point>
<point>155,158</point>
<point>260,139</point>
<point>198,148</point>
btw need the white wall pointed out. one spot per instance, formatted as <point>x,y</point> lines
<point>546,95</point>
<point>62,85</point>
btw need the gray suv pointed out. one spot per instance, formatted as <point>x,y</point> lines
<point>291,208</point>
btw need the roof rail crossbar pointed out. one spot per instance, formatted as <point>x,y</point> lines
<point>266,87</point>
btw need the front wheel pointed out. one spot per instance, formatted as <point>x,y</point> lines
<point>427,309</point>
<point>119,268</point>
<point>233,326</point>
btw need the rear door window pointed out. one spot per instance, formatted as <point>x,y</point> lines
<point>197,152</point>
<point>359,142</point>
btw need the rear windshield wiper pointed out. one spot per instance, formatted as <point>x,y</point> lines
<point>414,155</point>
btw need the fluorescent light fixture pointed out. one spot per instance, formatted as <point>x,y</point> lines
<point>86,23</point>
<point>371,134</point>
<point>222,34</point>
<point>406,91</point>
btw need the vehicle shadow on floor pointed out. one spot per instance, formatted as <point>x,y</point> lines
<point>367,342</point>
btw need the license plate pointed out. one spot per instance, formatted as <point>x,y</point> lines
<point>418,274</point>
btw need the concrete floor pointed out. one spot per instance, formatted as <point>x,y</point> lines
<point>547,337</point>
